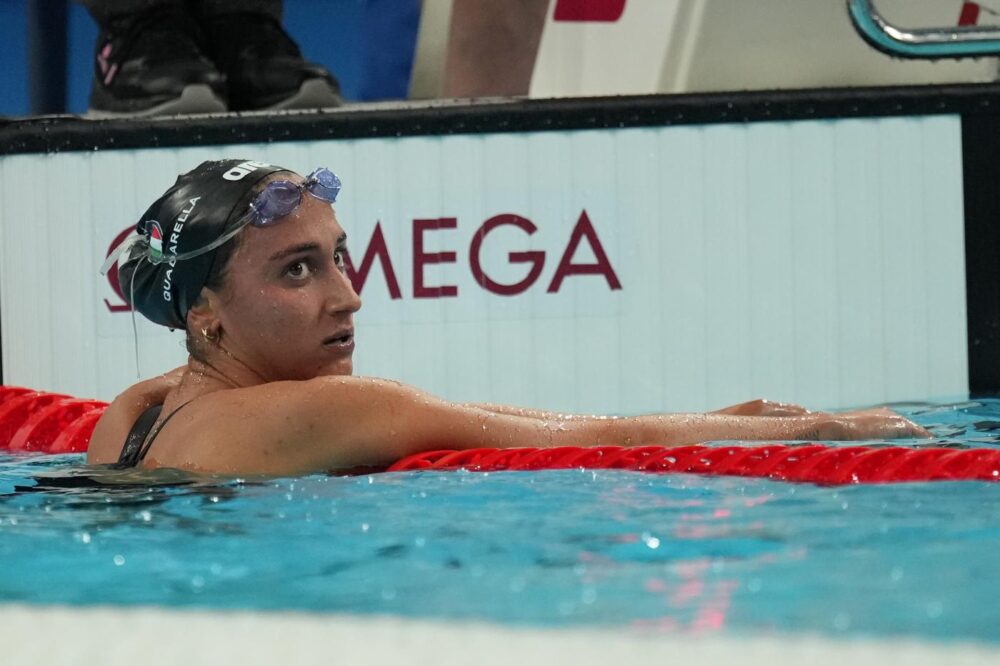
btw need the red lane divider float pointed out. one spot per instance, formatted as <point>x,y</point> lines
<point>32,421</point>
<point>811,463</point>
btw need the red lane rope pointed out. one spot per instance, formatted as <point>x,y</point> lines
<point>809,463</point>
<point>33,421</point>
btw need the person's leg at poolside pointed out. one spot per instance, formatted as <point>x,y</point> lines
<point>492,47</point>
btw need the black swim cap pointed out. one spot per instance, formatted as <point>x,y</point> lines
<point>202,206</point>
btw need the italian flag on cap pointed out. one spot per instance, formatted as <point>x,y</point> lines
<point>155,240</point>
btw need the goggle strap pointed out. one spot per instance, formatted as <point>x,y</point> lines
<point>123,248</point>
<point>205,248</point>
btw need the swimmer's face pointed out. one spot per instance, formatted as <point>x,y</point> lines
<point>287,307</point>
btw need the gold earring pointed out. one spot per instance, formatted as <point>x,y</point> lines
<point>210,338</point>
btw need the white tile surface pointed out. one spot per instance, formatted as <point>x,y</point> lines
<point>86,636</point>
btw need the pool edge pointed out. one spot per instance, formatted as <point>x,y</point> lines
<point>151,636</point>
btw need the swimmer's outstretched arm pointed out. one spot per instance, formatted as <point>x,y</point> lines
<point>342,422</point>
<point>529,412</point>
<point>759,407</point>
<point>762,407</point>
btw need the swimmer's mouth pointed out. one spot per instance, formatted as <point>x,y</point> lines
<point>345,338</point>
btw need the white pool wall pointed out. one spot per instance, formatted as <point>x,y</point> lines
<point>820,262</point>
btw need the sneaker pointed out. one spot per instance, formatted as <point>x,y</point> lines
<point>263,66</point>
<point>151,64</point>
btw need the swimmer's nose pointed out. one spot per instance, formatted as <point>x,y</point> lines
<point>343,297</point>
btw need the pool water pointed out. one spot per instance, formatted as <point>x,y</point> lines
<point>674,553</point>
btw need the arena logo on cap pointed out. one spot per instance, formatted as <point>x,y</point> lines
<point>155,240</point>
<point>241,170</point>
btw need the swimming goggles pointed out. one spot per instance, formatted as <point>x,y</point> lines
<point>276,200</point>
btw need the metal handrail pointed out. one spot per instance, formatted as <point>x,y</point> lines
<point>953,42</point>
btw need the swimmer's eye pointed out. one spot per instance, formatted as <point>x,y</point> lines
<point>298,270</point>
<point>339,258</point>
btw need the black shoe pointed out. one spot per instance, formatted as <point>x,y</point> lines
<point>151,64</point>
<point>263,66</point>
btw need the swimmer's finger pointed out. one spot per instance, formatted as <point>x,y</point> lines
<point>904,426</point>
<point>869,425</point>
<point>899,427</point>
<point>919,431</point>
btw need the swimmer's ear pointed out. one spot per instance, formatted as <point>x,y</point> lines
<point>204,314</point>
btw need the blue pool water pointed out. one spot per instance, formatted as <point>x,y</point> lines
<point>665,552</point>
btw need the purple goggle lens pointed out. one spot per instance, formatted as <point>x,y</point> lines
<point>280,197</point>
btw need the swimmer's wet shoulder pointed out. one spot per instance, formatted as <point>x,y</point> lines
<point>277,428</point>
<point>121,415</point>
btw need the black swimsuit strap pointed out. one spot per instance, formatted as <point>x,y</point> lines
<point>141,437</point>
<point>137,435</point>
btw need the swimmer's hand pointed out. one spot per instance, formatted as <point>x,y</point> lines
<point>877,423</point>
<point>762,407</point>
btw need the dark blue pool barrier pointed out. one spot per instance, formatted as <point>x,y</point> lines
<point>38,422</point>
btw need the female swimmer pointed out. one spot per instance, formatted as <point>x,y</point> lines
<point>248,259</point>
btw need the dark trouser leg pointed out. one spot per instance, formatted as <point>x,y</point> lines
<point>149,60</point>
<point>272,8</point>
<point>263,65</point>
<point>107,11</point>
